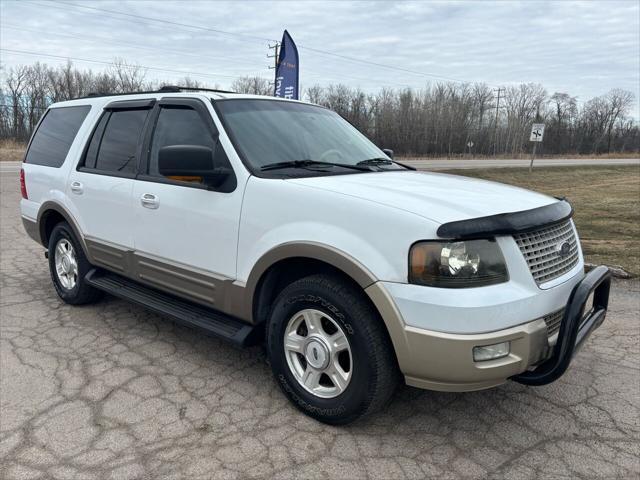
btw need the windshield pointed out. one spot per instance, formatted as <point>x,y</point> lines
<point>267,132</point>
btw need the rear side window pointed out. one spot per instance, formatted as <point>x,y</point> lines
<point>52,141</point>
<point>114,144</point>
<point>94,144</point>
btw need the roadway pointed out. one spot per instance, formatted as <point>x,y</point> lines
<point>445,164</point>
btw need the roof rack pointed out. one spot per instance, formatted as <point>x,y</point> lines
<point>176,88</point>
<point>100,94</point>
<point>162,89</point>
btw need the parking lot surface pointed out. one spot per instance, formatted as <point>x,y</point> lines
<point>112,391</point>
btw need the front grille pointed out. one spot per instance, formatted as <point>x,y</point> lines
<point>553,321</point>
<point>541,250</point>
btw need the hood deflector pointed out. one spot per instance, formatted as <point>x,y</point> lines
<point>507,223</point>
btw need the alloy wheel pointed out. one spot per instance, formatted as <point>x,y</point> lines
<point>318,353</point>
<point>66,264</point>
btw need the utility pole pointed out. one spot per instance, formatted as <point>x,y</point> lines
<point>276,54</point>
<point>495,144</point>
<point>275,47</point>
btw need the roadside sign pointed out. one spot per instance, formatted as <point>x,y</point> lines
<point>537,132</point>
<point>470,144</point>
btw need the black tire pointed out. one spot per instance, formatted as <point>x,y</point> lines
<point>375,373</point>
<point>81,293</point>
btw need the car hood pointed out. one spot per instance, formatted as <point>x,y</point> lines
<point>436,196</point>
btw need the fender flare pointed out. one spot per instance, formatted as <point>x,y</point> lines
<point>316,251</point>
<point>49,206</point>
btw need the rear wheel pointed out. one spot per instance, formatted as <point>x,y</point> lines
<point>68,267</point>
<point>329,350</point>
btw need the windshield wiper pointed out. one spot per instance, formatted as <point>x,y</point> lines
<point>383,161</point>
<point>376,161</point>
<point>310,163</point>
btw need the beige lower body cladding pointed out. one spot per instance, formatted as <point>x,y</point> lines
<point>444,361</point>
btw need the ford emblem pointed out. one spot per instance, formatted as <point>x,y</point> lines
<point>564,249</point>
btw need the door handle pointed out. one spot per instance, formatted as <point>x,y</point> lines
<point>76,187</point>
<point>149,200</point>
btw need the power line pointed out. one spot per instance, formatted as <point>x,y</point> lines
<point>309,72</point>
<point>159,69</point>
<point>311,49</point>
<point>168,22</point>
<point>381,65</point>
<point>126,44</point>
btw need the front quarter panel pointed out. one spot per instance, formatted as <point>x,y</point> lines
<point>279,212</point>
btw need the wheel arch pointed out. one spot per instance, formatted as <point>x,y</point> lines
<point>50,214</point>
<point>263,285</point>
<point>291,261</point>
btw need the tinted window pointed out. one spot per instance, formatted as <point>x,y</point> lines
<point>54,136</point>
<point>94,145</point>
<point>119,145</point>
<point>178,126</point>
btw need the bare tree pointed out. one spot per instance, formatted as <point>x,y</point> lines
<point>620,102</point>
<point>562,114</point>
<point>439,119</point>
<point>16,83</point>
<point>524,104</point>
<point>129,77</point>
<point>252,85</point>
<point>315,94</point>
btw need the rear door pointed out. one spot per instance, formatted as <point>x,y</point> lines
<point>101,187</point>
<point>185,234</point>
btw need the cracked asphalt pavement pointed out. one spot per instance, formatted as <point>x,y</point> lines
<point>113,391</point>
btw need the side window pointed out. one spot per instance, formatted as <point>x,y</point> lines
<point>178,126</point>
<point>119,145</point>
<point>94,144</point>
<point>53,139</point>
<point>114,143</point>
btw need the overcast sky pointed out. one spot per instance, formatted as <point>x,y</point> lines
<point>583,48</point>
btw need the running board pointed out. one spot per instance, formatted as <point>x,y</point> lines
<point>180,311</point>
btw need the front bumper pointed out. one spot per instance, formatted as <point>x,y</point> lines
<point>444,361</point>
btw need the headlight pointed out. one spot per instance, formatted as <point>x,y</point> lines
<point>473,263</point>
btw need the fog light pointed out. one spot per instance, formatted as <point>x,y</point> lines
<point>491,352</point>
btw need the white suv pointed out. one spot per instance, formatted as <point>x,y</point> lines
<point>265,220</point>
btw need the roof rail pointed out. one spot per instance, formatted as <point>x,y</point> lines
<point>162,89</point>
<point>177,88</point>
<point>100,94</point>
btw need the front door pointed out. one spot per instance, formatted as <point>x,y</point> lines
<point>185,234</point>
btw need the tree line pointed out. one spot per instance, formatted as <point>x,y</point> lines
<point>440,119</point>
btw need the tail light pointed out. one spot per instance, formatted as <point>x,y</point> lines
<point>23,185</point>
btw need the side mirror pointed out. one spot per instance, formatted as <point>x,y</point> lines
<point>388,152</point>
<point>191,161</point>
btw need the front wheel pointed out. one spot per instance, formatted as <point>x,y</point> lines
<point>329,350</point>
